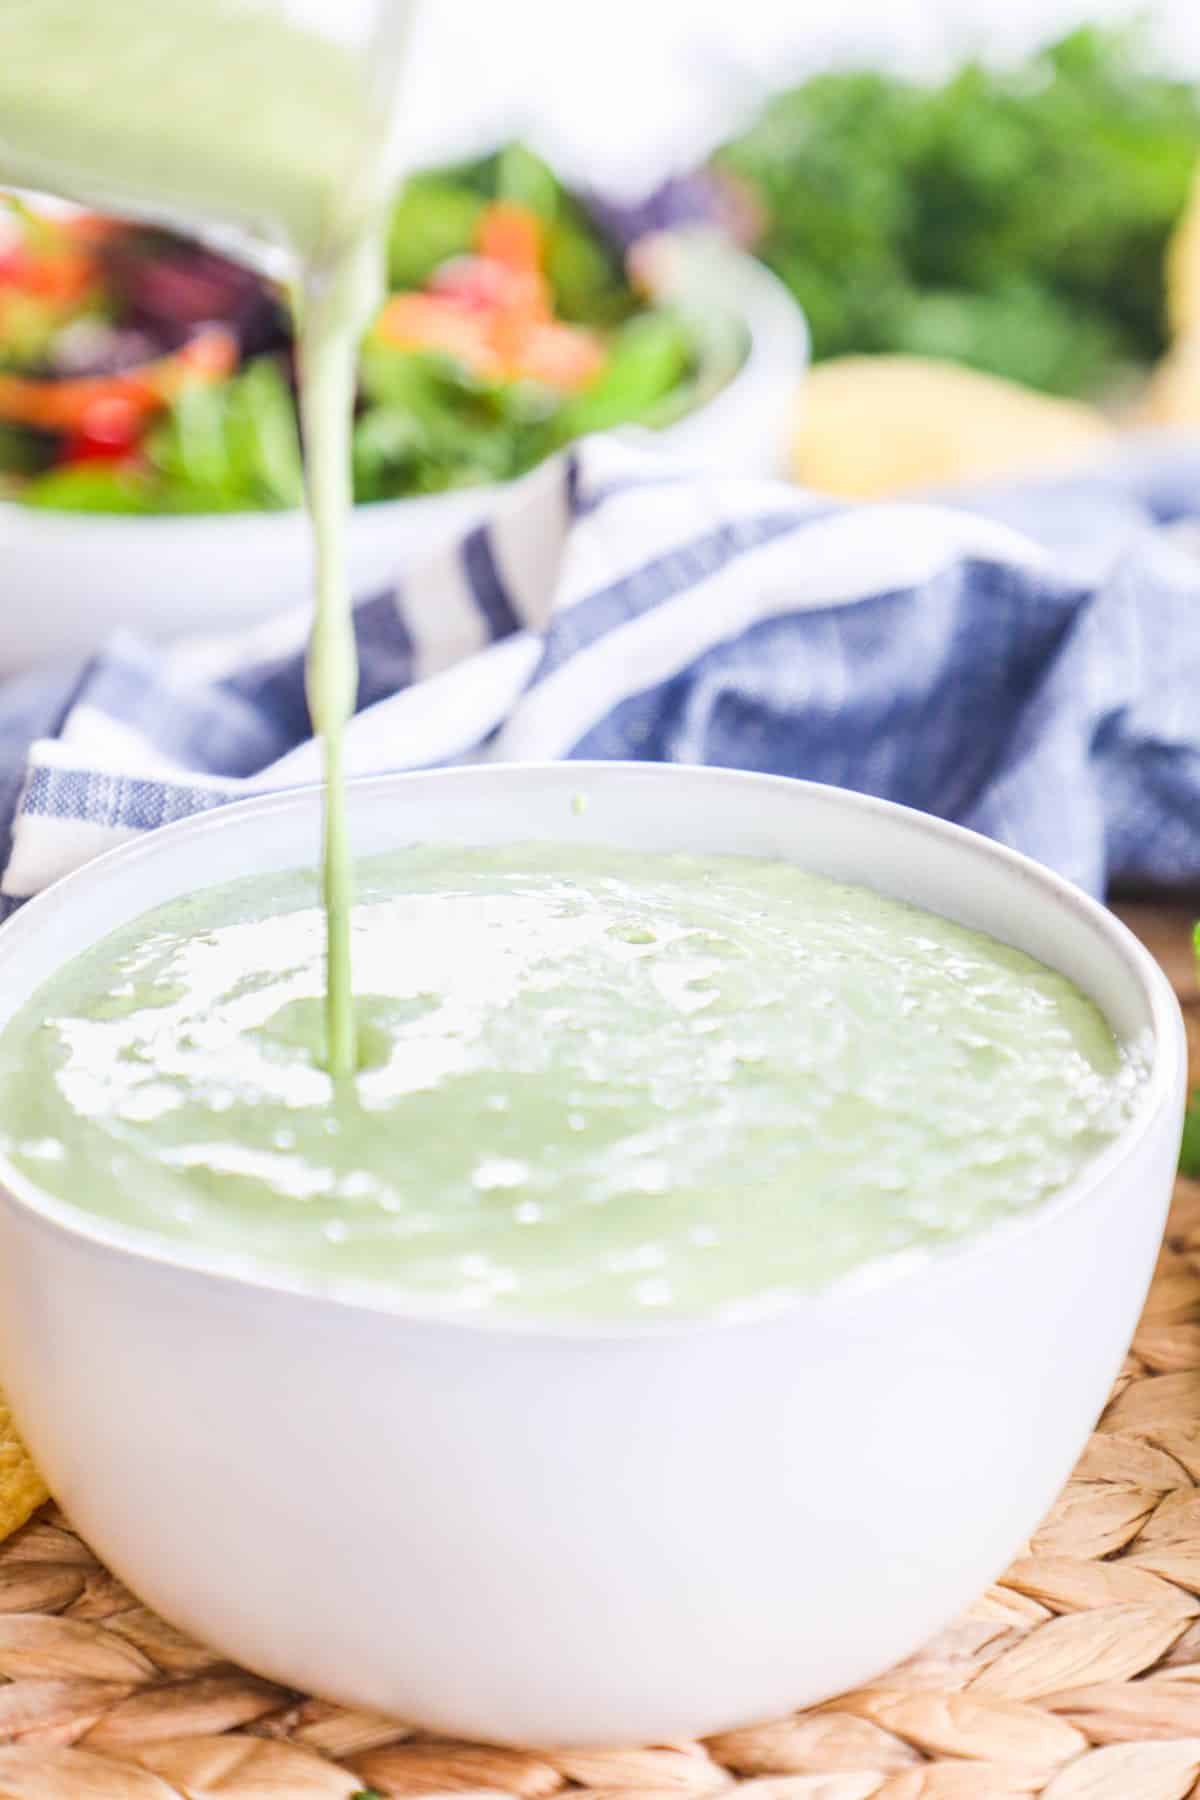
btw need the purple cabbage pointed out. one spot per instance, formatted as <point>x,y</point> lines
<point>705,197</point>
<point>169,287</point>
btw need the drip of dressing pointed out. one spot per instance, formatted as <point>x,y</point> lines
<point>232,121</point>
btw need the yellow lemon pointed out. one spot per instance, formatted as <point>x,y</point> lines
<point>869,426</point>
<point>1172,397</point>
<point>1183,269</point>
<point>22,1489</point>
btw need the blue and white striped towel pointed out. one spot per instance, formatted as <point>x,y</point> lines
<point>1039,684</point>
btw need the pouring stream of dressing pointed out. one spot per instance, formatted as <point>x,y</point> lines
<point>232,121</point>
<point>336,302</point>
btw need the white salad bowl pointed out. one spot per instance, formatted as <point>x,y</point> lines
<point>582,1533</point>
<point>68,581</point>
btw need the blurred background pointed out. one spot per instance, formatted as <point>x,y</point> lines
<point>690,72</point>
<point>896,247</point>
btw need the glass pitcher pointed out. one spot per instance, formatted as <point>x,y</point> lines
<point>265,127</point>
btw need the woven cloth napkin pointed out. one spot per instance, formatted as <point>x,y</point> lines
<point>1024,661</point>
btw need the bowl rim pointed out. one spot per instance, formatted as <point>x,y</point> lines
<point>761,302</point>
<point>864,1287</point>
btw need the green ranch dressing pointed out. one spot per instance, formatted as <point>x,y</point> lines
<point>594,1083</point>
<point>219,116</point>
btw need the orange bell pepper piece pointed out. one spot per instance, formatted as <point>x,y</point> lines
<point>513,236</point>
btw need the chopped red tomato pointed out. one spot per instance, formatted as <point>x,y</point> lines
<point>481,286</point>
<point>108,430</point>
<point>474,282</point>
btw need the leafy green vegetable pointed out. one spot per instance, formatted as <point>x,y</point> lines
<point>231,447</point>
<point>91,487</point>
<point>585,276</point>
<point>1189,1156</point>
<point>524,179</point>
<point>691,292</point>
<point>228,448</point>
<point>649,356</point>
<point>1018,330</point>
<point>263,434</point>
<point>431,425</point>
<point>414,380</point>
<point>425,422</point>
<point>24,452</point>
<point>1013,219</point>
<point>434,218</point>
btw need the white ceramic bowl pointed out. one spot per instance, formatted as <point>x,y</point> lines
<point>67,581</point>
<point>575,1534</point>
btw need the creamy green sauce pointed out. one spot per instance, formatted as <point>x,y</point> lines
<point>596,1084</point>
<point>217,113</point>
<point>224,116</point>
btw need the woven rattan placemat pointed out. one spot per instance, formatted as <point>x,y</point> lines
<point>1077,1677</point>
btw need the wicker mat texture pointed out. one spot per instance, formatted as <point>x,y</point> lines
<point>1077,1677</point>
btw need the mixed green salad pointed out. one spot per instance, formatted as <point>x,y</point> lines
<point>1014,219</point>
<point>141,373</point>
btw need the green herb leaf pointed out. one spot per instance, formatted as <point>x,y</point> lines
<point>1189,1156</point>
<point>585,276</point>
<point>24,452</point>
<point>262,433</point>
<point>648,357</point>
<point>230,447</point>
<point>525,180</point>
<point>433,219</point>
<point>1014,218</point>
<point>91,488</point>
